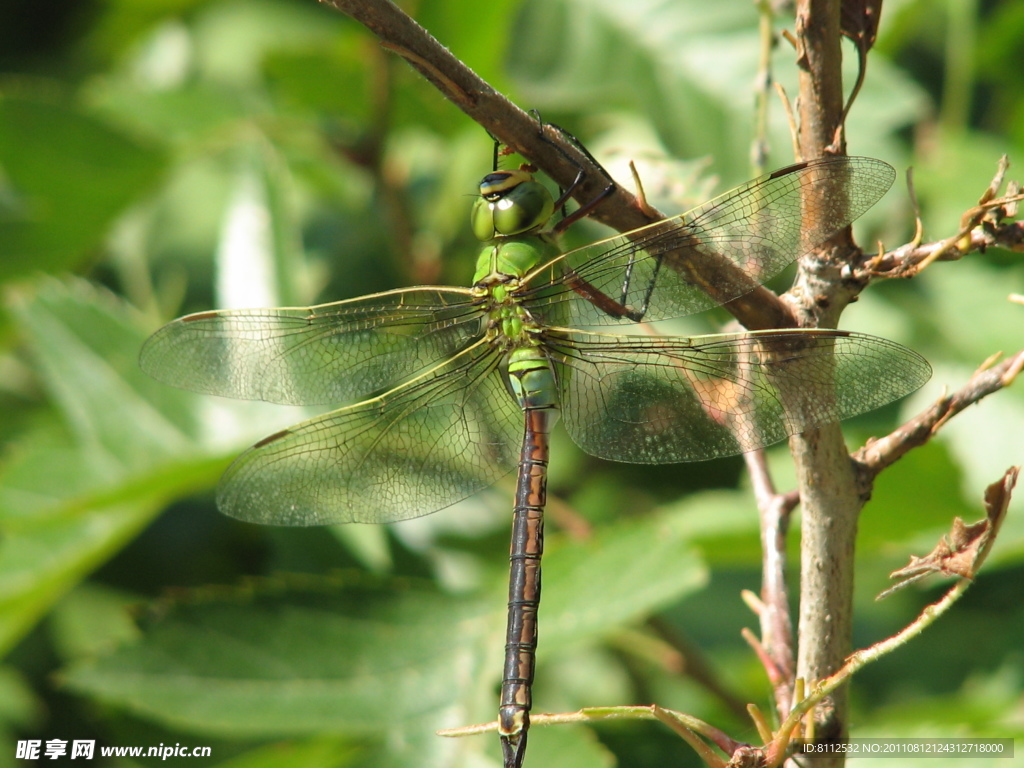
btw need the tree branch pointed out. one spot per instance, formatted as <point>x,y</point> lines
<point>832,487</point>
<point>548,149</point>
<point>829,496</point>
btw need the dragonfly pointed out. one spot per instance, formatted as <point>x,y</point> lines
<point>446,389</point>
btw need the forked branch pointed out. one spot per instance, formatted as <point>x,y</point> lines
<point>991,223</point>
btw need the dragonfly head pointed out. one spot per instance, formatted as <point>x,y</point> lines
<point>510,203</point>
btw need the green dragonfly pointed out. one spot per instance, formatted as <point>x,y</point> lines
<point>453,387</point>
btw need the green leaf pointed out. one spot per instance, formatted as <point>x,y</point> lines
<point>330,79</point>
<point>974,289</point>
<point>567,746</point>
<point>367,657</point>
<point>69,176</point>
<point>621,575</point>
<point>73,491</point>
<point>19,707</point>
<point>723,524</point>
<point>476,36</point>
<point>91,620</point>
<point>323,752</point>
<point>186,114</point>
<point>85,346</point>
<point>385,660</point>
<point>295,657</point>
<point>74,528</point>
<point>916,499</point>
<point>571,55</point>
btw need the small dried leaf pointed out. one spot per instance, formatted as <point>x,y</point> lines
<point>962,551</point>
<point>997,502</point>
<point>859,21</point>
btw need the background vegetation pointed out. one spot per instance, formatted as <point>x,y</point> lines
<point>160,158</point>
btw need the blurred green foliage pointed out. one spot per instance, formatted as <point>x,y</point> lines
<point>158,158</point>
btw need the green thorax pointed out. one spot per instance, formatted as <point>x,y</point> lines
<point>499,271</point>
<point>511,257</point>
<point>511,215</point>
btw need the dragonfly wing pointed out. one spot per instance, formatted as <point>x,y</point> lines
<point>318,355</point>
<point>740,240</point>
<point>674,399</point>
<point>416,449</point>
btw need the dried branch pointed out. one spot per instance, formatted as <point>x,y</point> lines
<point>879,454</point>
<point>858,21</point>
<point>559,158</point>
<point>990,223</point>
<point>831,493</point>
<point>689,725</point>
<point>997,502</point>
<point>908,260</point>
<point>763,85</point>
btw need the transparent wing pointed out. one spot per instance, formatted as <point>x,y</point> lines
<point>757,229</point>
<point>663,400</point>
<point>319,355</point>
<point>416,449</point>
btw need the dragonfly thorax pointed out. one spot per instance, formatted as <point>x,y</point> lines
<point>509,323</point>
<point>507,259</point>
<point>512,329</point>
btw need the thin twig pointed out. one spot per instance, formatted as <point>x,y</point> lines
<point>879,454</point>
<point>909,260</point>
<point>762,87</point>
<point>794,130</point>
<point>773,606</point>
<point>997,500</point>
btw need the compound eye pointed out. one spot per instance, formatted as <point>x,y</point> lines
<point>510,203</point>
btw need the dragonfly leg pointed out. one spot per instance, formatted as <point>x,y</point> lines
<point>587,208</point>
<point>637,315</point>
<point>620,307</point>
<point>583,210</point>
<point>607,304</point>
<point>569,138</point>
<point>601,300</point>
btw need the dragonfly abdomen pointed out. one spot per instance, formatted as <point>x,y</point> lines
<point>525,579</point>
